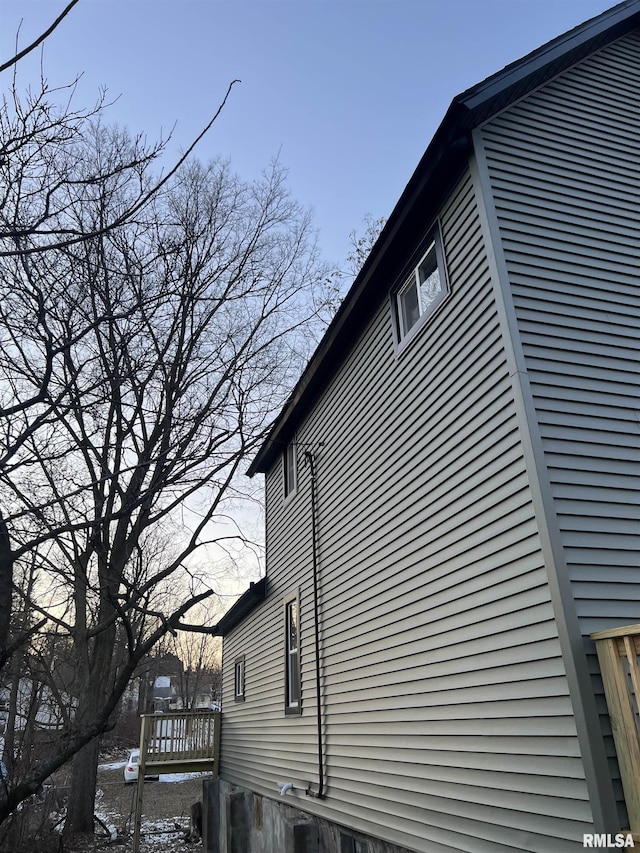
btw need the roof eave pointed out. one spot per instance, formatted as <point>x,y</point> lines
<point>247,602</point>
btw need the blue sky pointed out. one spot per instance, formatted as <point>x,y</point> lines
<point>347,92</point>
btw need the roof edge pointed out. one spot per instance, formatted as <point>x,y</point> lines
<point>247,602</point>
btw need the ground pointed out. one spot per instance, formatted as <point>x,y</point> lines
<point>166,811</point>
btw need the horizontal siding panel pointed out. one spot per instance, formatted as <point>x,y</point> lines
<point>471,783</point>
<point>615,419</point>
<point>378,704</point>
<point>438,597</point>
<point>465,685</point>
<point>447,556</point>
<point>430,811</point>
<point>528,608</point>
<point>505,798</point>
<point>498,746</point>
<point>450,762</point>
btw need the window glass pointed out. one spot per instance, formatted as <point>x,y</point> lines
<point>292,662</point>
<point>429,280</point>
<point>290,469</point>
<point>239,679</point>
<point>293,625</point>
<point>409,307</point>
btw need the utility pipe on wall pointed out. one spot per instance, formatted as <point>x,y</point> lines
<point>310,459</point>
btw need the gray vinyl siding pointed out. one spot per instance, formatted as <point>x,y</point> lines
<point>447,718</point>
<point>565,175</point>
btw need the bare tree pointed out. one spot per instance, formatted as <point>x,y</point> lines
<point>335,285</point>
<point>362,243</point>
<point>142,357</point>
<point>46,167</point>
<point>200,654</point>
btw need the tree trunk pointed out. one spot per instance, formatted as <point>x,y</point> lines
<point>95,660</point>
<point>10,730</point>
<point>27,740</point>
<point>6,589</point>
<point>83,790</point>
<point>143,693</point>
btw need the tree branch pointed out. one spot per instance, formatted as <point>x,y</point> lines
<point>15,59</point>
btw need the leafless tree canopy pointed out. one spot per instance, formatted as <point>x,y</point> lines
<point>150,328</point>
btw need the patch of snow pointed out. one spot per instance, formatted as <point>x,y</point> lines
<point>163,835</point>
<point>180,777</point>
<point>113,765</point>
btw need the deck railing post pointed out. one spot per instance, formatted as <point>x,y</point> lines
<point>217,728</point>
<point>145,735</point>
<point>175,743</point>
<point>618,657</point>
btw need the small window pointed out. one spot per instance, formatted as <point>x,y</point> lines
<point>423,290</point>
<point>292,655</point>
<point>349,844</point>
<point>290,469</point>
<point>238,679</point>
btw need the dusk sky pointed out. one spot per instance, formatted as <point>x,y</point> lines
<point>347,92</point>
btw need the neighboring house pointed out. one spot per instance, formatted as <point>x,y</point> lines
<point>199,699</point>
<point>163,692</point>
<point>204,699</point>
<point>41,706</point>
<point>452,496</point>
<point>130,702</point>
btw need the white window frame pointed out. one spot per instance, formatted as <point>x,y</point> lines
<point>405,331</point>
<point>292,681</point>
<point>238,678</point>
<point>290,469</point>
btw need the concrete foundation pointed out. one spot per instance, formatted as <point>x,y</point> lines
<point>236,820</point>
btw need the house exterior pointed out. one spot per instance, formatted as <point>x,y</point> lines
<point>452,496</point>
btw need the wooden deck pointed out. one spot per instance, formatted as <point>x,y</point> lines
<point>618,654</point>
<point>180,742</point>
<point>176,742</point>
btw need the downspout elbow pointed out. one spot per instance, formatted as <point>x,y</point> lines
<point>316,795</point>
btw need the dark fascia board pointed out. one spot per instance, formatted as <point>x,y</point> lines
<point>520,77</point>
<point>243,606</point>
<point>436,172</point>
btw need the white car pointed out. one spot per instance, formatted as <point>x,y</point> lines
<point>131,768</point>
